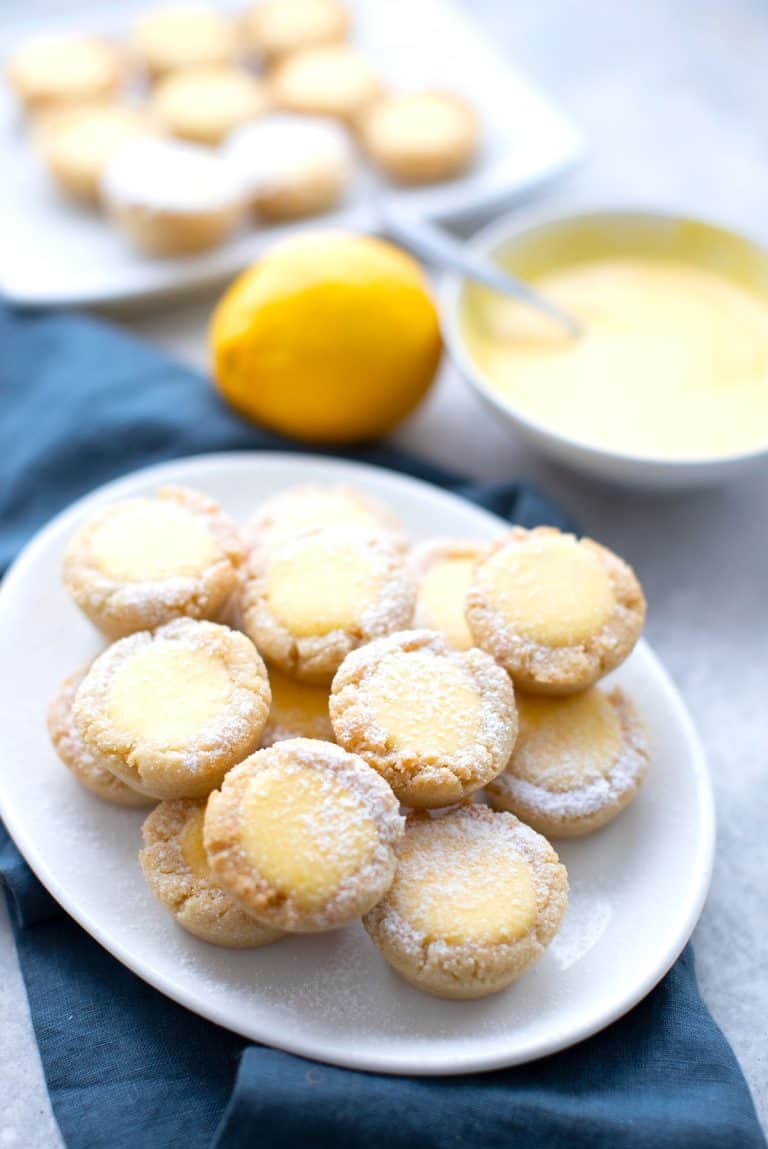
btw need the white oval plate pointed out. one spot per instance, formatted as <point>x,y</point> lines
<point>637,887</point>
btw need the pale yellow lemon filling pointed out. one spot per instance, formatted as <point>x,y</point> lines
<point>146,539</point>
<point>305,832</point>
<point>319,587</point>
<point>192,848</point>
<point>441,598</point>
<point>209,100</point>
<point>551,590</point>
<point>167,695</point>
<point>299,707</point>
<point>673,361</point>
<point>71,63</point>
<point>482,895</point>
<point>566,742</point>
<point>428,706</point>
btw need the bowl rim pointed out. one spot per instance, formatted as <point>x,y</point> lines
<point>515,225</point>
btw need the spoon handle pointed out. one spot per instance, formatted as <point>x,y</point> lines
<point>436,246</point>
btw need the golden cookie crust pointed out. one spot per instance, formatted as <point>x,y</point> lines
<point>309,505</point>
<point>184,35</point>
<point>276,28</point>
<point>316,658</point>
<point>164,233</point>
<point>204,105</point>
<point>199,906</point>
<point>88,768</point>
<point>427,555</point>
<point>471,968</point>
<point>330,80</point>
<point>192,769</point>
<point>580,809</point>
<point>75,146</point>
<point>542,668</point>
<point>43,76</point>
<point>438,151</point>
<point>356,893</point>
<point>119,607</point>
<point>416,779</point>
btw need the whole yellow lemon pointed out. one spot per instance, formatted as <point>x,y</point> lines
<point>329,337</point>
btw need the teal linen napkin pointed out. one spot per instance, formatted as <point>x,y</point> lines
<point>81,403</point>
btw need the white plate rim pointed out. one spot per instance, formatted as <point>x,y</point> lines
<point>701,865</point>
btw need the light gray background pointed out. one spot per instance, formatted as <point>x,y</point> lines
<point>673,95</point>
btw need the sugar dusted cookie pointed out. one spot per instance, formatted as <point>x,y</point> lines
<point>335,80</point>
<point>578,762</point>
<point>558,612</point>
<point>310,506</point>
<point>291,166</point>
<point>277,27</point>
<point>53,70</point>
<point>172,710</point>
<point>443,572</point>
<point>298,710</point>
<point>76,146</point>
<point>193,35</point>
<point>420,137</point>
<point>87,767</point>
<point>171,198</point>
<point>438,724</point>
<point>302,835</point>
<point>477,898</point>
<point>309,600</point>
<point>177,872</point>
<point>144,561</point>
<point>204,105</point>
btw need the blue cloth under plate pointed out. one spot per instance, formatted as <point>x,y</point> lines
<point>81,403</point>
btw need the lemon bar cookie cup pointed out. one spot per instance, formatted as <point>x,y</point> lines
<point>309,600</point>
<point>169,197</point>
<point>276,28</point>
<point>302,835</point>
<point>142,562</point>
<point>477,898</point>
<point>579,761</point>
<point>420,137</point>
<point>181,34</point>
<point>53,71</point>
<point>171,711</point>
<point>176,869</point>
<point>438,724</point>
<point>558,612</point>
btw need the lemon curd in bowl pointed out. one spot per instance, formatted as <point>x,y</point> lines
<point>669,379</point>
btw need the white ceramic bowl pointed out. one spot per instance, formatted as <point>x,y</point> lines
<point>655,230</point>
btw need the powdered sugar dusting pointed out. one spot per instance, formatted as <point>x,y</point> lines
<point>170,175</point>
<point>180,770</point>
<point>418,778</point>
<point>588,795</point>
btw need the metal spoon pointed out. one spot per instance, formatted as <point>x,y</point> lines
<point>434,245</point>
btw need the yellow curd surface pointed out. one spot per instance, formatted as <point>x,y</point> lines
<point>673,362</point>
